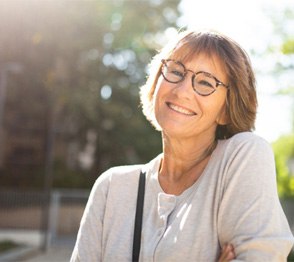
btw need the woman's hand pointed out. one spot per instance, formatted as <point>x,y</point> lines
<point>227,253</point>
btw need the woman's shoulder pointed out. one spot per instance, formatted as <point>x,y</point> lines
<point>246,139</point>
<point>119,172</point>
<point>246,143</point>
<point>246,156</point>
<point>126,173</point>
<point>118,178</point>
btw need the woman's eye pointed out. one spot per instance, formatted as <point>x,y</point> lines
<point>177,73</point>
<point>205,83</point>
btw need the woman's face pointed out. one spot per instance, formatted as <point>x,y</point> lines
<point>181,112</point>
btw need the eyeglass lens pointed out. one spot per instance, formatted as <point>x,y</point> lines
<point>203,83</point>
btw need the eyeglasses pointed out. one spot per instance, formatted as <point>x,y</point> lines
<point>203,83</point>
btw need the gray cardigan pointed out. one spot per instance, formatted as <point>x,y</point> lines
<point>234,201</point>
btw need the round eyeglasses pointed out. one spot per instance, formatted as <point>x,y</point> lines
<point>203,83</point>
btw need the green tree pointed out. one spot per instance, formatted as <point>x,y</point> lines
<point>284,157</point>
<point>284,146</point>
<point>83,64</point>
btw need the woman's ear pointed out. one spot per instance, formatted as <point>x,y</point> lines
<point>223,118</point>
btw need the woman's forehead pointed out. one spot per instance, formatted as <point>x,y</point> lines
<point>210,62</point>
<point>186,53</point>
<point>186,57</point>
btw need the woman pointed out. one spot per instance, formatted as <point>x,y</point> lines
<point>211,195</point>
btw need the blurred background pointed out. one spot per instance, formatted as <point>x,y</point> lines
<point>70,72</point>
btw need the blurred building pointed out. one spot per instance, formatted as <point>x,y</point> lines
<point>24,129</point>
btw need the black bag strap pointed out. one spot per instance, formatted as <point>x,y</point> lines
<point>138,218</point>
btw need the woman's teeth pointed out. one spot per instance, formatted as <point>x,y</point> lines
<point>180,109</point>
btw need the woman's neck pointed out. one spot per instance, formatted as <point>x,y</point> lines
<point>183,162</point>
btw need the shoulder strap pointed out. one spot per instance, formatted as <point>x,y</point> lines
<point>138,218</point>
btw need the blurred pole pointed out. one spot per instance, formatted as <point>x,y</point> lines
<point>4,70</point>
<point>3,86</point>
<point>48,178</point>
<point>290,164</point>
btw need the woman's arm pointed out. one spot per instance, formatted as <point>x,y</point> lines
<point>250,214</point>
<point>88,245</point>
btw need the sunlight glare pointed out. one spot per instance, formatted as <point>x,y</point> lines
<point>249,23</point>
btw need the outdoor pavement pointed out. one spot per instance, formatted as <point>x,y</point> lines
<point>58,251</point>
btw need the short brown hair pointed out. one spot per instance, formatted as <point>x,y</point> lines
<point>241,102</point>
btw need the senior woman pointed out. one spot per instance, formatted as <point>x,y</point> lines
<point>211,195</point>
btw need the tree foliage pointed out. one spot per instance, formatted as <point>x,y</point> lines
<point>284,146</point>
<point>284,158</point>
<point>83,63</point>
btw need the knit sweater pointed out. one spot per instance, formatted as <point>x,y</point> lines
<point>234,201</point>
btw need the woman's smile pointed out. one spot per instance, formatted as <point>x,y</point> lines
<point>180,109</point>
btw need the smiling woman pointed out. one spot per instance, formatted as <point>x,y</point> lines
<point>205,107</point>
<point>211,195</point>
<point>225,57</point>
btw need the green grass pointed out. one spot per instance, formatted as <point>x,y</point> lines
<point>6,245</point>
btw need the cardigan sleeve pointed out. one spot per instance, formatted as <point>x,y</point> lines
<point>88,245</point>
<point>250,215</point>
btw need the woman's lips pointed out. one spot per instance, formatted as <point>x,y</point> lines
<point>180,109</point>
